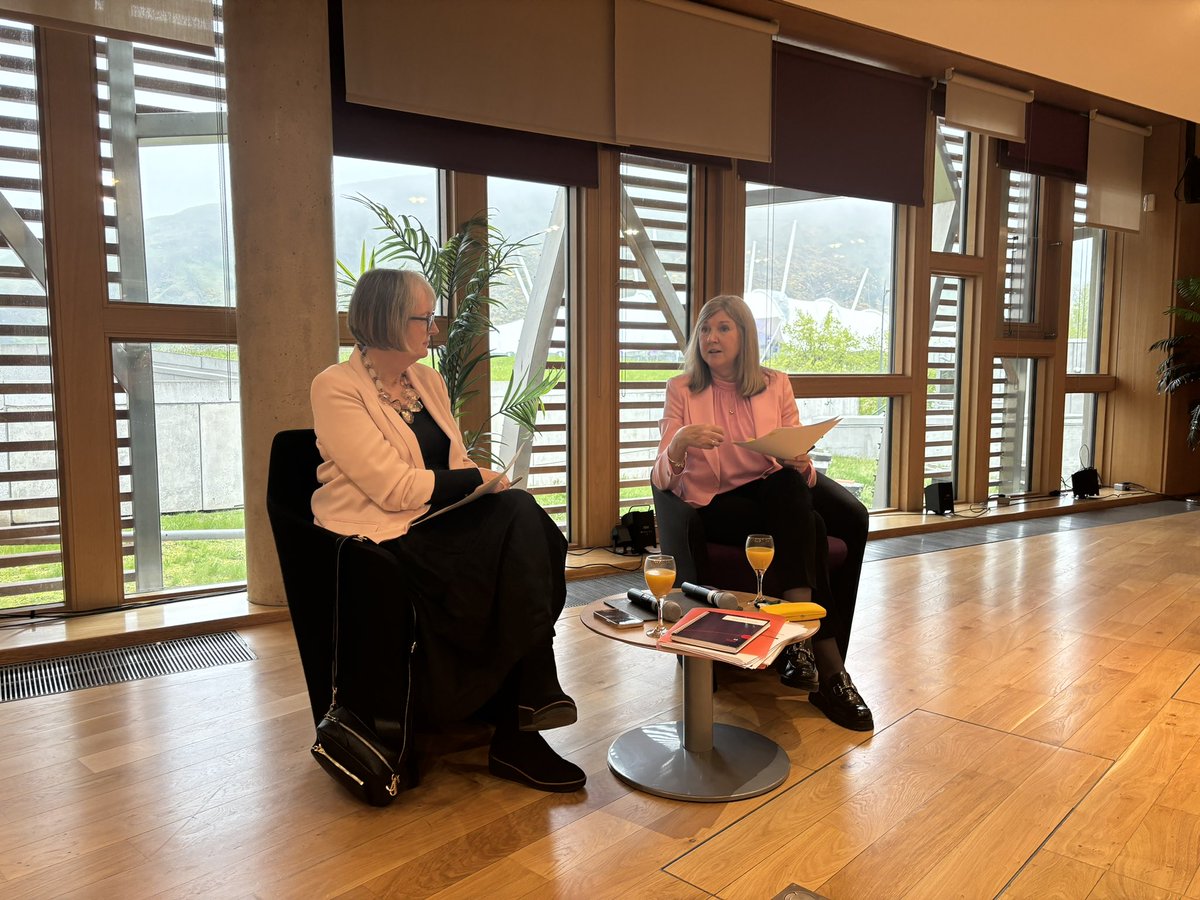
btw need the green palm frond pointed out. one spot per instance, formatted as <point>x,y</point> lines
<point>1181,366</point>
<point>347,277</point>
<point>1189,288</point>
<point>461,270</point>
<point>523,401</point>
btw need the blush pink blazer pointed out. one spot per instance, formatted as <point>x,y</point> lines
<point>701,478</point>
<point>373,478</point>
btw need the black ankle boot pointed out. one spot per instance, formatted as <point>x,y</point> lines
<point>525,757</point>
<point>797,669</point>
<point>841,702</point>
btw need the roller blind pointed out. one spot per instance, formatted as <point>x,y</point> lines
<point>692,78</point>
<point>532,65</point>
<point>845,128</point>
<point>187,24</point>
<point>1114,173</point>
<point>371,132</point>
<point>1056,144</point>
<point>986,108</point>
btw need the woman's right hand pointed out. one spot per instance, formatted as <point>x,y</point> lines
<point>502,485</point>
<point>700,436</point>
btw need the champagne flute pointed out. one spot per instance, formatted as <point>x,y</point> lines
<point>760,550</point>
<point>660,577</point>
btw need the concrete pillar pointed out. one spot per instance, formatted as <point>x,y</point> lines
<point>281,156</point>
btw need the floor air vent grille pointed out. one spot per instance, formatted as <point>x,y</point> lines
<point>21,681</point>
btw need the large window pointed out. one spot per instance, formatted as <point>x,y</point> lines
<point>30,548</point>
<point>1019,241</point>
<point>819,279</point>
<point>1014,399</point>
<point>943,394</point>
<point>857,453</point>
<point>180,460</point>
<point>655,204</point>
<point>405,191</point>
<point>1088,251</point>
<point>951,184</point>
<point>530,341</point>
<point>161,115</point>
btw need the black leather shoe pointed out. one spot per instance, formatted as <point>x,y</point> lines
<point>797,669</point>
<point>842,704</point>
<point>527,759</point>
<point>554,713</point>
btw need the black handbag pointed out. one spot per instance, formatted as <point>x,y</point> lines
<point>348,748</point>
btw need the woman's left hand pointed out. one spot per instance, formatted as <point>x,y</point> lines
<point>804,465</point>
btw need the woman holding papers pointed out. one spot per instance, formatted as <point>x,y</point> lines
<point>724,396</point>
<point>487,578</point>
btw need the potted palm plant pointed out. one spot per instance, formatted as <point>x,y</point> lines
<point>461,272</point>
<point>1181,366</point>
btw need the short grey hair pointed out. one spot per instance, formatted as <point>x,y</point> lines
<point>380,306</point>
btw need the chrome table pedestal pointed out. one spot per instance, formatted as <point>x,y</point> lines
<point>695,759</point>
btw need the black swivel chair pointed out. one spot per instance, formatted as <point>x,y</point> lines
<point>376,622</point>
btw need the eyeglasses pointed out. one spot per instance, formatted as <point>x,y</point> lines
<point>428,320</point>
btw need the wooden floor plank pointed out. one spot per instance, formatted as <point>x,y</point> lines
<point>1049,876</point>
<point>1104,822</point>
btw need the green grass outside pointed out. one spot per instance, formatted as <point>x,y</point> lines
<point>185,563</point>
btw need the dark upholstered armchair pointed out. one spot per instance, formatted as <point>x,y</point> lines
<point>376,623</point>
<point>681,534</point>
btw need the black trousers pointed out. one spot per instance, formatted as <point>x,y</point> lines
<point>846,518</point>
<point>800,519</point>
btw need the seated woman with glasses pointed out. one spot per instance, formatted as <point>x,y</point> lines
<point>723,396</point>
<point>487,578</point>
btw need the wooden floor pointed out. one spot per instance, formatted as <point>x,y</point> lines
<point>1037,706</point>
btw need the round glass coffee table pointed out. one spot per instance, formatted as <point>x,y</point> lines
<point>693,758</point>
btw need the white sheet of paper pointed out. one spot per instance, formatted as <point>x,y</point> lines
<point>789,442</point>
<point>488,487</point>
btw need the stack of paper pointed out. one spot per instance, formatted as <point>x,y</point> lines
<point>759,653</point>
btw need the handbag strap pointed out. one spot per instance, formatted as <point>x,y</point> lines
<point>337,615</point>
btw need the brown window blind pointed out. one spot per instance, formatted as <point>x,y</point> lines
<point>844,128</point>
<point>1056,144</point>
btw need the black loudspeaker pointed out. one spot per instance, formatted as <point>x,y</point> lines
<point>1085,483</point>
<point>1189,182</point>
<point>640,524</point>
<point>1188,189</point>
<point>939,497</point>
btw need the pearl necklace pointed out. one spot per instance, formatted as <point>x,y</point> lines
<point>407,404</point>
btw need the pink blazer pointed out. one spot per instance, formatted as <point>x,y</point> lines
<point>700,480</point>
<point>373,478</point>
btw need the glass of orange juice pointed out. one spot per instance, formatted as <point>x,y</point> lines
<point>660,578</point>
<point>760,550</point>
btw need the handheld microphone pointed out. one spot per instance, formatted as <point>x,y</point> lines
<point>672,611</point>
<point>711,596</point>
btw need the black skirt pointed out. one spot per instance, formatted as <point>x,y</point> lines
<point>488,582</point>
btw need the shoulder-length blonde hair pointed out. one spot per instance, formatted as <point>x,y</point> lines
<point>380,306</point>
<point>748,372</point>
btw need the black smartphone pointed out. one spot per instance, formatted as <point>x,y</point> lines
<point>617,618</point>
